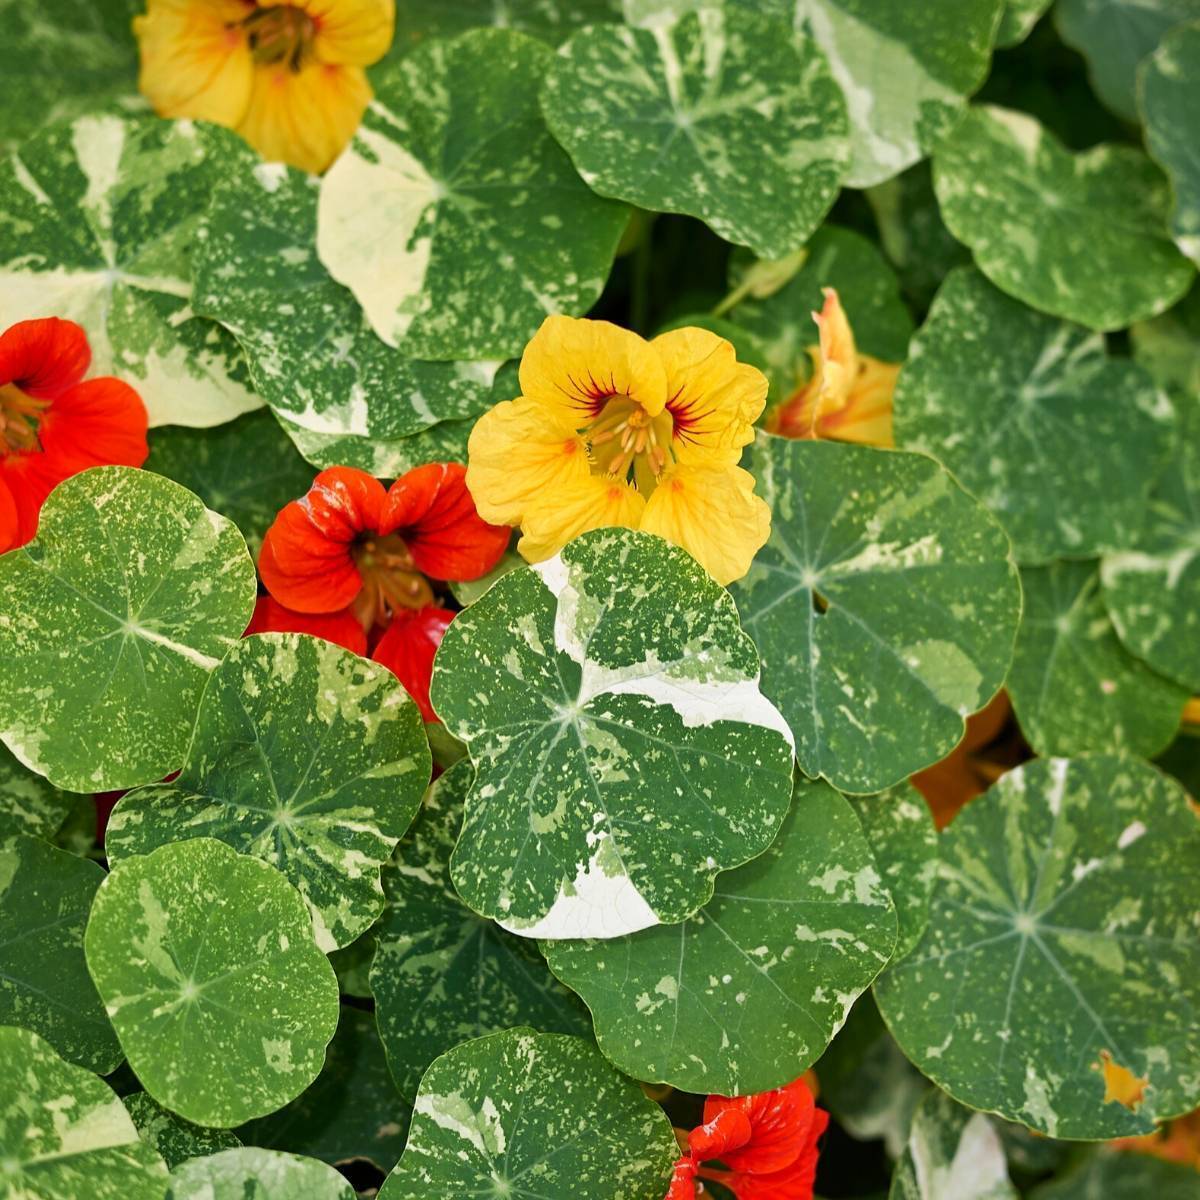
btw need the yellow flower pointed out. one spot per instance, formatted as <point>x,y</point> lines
<point>849,396</point>
<point>287,76</point>
<point>610,429</point>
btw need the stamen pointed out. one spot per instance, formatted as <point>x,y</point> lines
<point>279,34</point>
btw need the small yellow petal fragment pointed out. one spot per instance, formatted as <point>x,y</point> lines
<point>1120,1083</point>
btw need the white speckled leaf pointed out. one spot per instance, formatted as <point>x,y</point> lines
<point>443,974</point>
<point>453,216</point>
<point>312,355</point>
<point>884,607</point>
<point>1066,911</point>
<point>1020,16</point>
<point>1081,236</point>
<point>1152,589</point>
<point>206,963</point>
<point>952,1154</point>
<point>680,117</point>
<point>45,895</point>
<point>1005,397</point>
<point>1169,98</point>
<point>308,757</point>
<point>745,995</point>
<point>250,1173</point>
<point>64,1133</point>
<point>97,218</point>
<point>522,1113</point>
<point>1074,687</point>
<point>174,1138</point>
<point>550,20</point>
<point>1115,36</point>
<point>28,803</point>
<point>113,618</point>
<point>385,459</point>
<point>1112,1175</point>
<point>623,750</point>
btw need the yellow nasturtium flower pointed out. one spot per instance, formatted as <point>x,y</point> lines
<point>848,397</point>
<point>287,76</point>
<point>610,429</point>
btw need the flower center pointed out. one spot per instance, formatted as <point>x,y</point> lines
<point>390,578</point>
<point>627,443</point>
<point>19,416</point>
<point>280,34</point>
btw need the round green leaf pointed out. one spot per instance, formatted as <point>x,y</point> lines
<point>248,1173</point>
<point>1062,940</point>
<point>550,20</point>
<point>385,459</point>
<point>257,272</point>
<point>206,962</point>
<point>453,216</point>
<point>28,804</point>
<point>1152,589</point>
<point>1080,236</point>
<point>1170,98</point>
<point>745,995</point>
<point>1115,36</point>
<point>884,606</point>
<point>952,1154</point>
<point>45,895</point>
<point>443,974</point>
<point>902,836</point>
<point>97,218</point>
<point>527,1114</point>
<point>307,757</point>
<point>117,612</point>
<point>352,1111</point>
<point>1074,687</point>
<point>246,470</point>
<point>174,1138</point>
<point>1020,16</point>
<point>64,1133</point>
<point>1006,396</point>
<point>1109,1175</point>
<point>680,118</point>
<point>623,750</point>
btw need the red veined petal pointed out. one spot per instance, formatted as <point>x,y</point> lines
<point>793,1182</point>
<point>728,1130</point>
<point>44,357</point>
<point>98,423</point>
<point>683,1180</point>
<point>9,522</point>
<point>780,1122</point>
<point>433,512</point>
<point>341,628</point>
<point>407,649</point>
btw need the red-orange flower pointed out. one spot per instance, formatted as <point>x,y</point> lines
<point>408,647</point>
<point>342,628</point>
<point>351,543</point>
<point>53,424</point>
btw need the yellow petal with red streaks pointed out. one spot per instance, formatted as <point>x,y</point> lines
<point>354,33</point>
<point>597,502</point>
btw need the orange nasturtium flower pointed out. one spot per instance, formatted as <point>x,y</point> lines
<point>849,395</point>
<point>610,429</point>
<point>289,77</point>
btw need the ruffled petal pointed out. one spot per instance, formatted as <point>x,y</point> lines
<point>515,457</point>
<point>571,367</point>
<point>683,1180</point>
<point>352,33</point>
<point>44,357</point>
<point>99,423</point>
<point>713,399</point>
<point>779,1127</point>
<point>195,61</point>
<point>597,502</point>
<point>304,118</point>
<point>341,628</point>
<point>407,649</point>
<point>431,509</point>
<point>713,514</point>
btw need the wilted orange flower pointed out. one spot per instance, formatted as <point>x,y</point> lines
<point>287,76</point>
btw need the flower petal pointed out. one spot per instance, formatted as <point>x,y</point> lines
<point>515,457</point>
<point>572,366</point>
<point>713,513</point>
<point>784,1125</point>
<point>407,649</point>
<point>352,33</point>
<point>342,628</point>
<point>98,423</point>
<point>713,399</point>
<point>44,357</point>
<point>683,1180</point>
<point>595,502</point>
<point>433,512</point>
<point>9,521</point>
<point>28,479</point>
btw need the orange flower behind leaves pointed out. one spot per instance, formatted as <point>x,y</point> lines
<point>53,424</point>
<point>848,398</point>
<point>1178,1142</point>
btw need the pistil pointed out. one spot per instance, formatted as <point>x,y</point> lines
<point>390,579</point>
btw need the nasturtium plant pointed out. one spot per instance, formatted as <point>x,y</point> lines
<point>226,970</point>
<point>624,753</point>
<point>249,1171</point>
<point>28,803</point>
<point>174,1138</point>
<point>64,1132</point>
<point>116,615</point>
<point>1065,899</point>
<point>534,1113</point>
<point>1036,393</point>
<point>1018,19</point>
<point>305,755</point>
<point>453,216</point>
<point>550,20</point>
<point>97,220</point>
<point>746,994</point>
<point>883,584</point>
